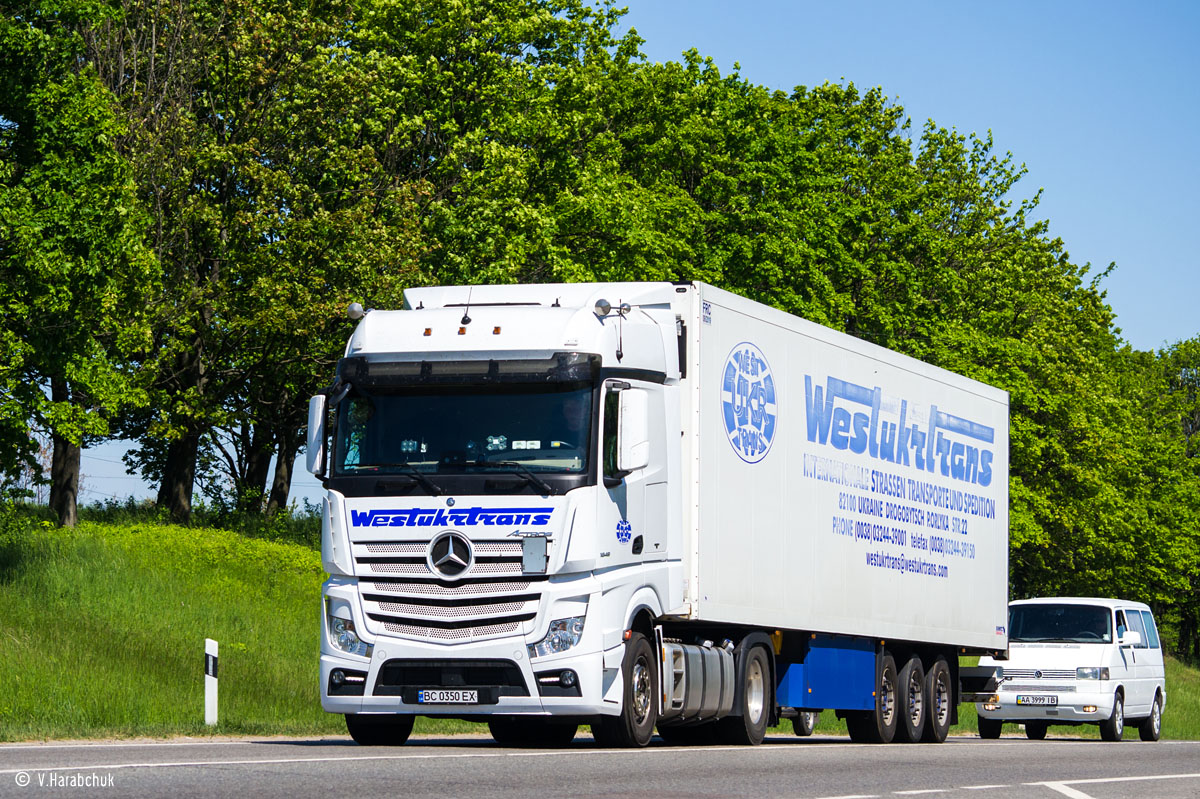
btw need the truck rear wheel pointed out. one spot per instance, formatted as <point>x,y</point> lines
<point>639,699</point>
<point>750,726</point>
<point>939,702</point>
<point>911,701</point>
<point>379,730</point>
<point>877,726</point>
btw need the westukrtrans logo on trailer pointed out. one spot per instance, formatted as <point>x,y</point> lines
<point>749,402</point>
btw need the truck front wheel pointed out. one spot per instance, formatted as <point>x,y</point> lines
<point>639,700</point>
<point>379,730</point>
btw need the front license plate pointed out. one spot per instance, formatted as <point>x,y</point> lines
<point>438,697</point>
<point>1023,699</point>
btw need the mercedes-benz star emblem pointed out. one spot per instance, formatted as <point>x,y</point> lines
<point>450,555</point>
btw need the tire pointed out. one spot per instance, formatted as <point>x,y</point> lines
<point>531,732</point>
<point>379,730</point>
<point>634,727</point>
<point>877,726</point>
<point>1036,730</point>
<point>939,702</point>
<point>750,726</point>
<point>910,704</point>
<point>1151,727</point>
<point>989,729</point>
<point>805,722</point>
<point>1113,727</point>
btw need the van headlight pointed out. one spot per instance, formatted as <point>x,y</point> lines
<point>1092,673</point>
<point>562,635</point>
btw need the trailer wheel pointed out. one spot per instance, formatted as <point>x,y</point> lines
<point>877,726</point>
<point>805,722</point>
<point>639,702</point>
<point>911,701</point>
<point>750,726</point>
<point>379,730</point>
<point>537,732</point>
<point>939,702</point>
<point>990,728</point>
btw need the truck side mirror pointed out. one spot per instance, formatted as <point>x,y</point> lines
<point>1130,638</point>
<point>316,435</point>
<point>633,430</point>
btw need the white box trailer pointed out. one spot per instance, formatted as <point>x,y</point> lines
<point>646,504</point>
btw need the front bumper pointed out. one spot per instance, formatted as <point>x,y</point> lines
<point>1070,707</point>
<point>596,670</point>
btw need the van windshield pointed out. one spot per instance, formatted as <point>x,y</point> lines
<point>1082,624</point>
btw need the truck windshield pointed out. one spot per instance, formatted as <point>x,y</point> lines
<point>1084,624</point>
<point>522,428</point>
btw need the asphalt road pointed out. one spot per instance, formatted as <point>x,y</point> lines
<point>476,767</point>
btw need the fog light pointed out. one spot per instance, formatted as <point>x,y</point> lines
<point>567,679</point>
<point>990,706</point>
<point>1089,708</point>
<point>337,677</point>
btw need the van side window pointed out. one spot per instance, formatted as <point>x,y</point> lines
<point>1151,630</point>
<point>1121,625</point>
<point>1135,624</point>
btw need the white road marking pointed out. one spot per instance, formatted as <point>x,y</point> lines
<point>918,792</point>
<point>853,796</point>
<point>983,787</point>
<point>1064,786</point>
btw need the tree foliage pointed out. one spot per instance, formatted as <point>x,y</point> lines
<point>294,156</point>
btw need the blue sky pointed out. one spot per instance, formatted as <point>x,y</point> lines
<point>1100,101</point>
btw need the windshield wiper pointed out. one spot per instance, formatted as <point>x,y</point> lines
<point>413,472</point>
<point>522,471</point>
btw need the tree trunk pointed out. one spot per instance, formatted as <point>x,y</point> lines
<point>64,467</point>
<point>258,466</point>
<point>289,445</point>
<point>179,477</point>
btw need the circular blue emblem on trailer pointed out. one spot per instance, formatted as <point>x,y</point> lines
<point>749,402</point>
<point>624,531</point>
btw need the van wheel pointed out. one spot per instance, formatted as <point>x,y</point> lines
<point>749,728</point>
<point>1035,730</point>
<point>379,730</point>
<point>1151,727</point>
<point>877,726</point>
<point>911,701</point>
<point>805,722</point>
<point>990,728</point>
<point>639,700</point>
<point>1114,727</point>
<point>939,702</point>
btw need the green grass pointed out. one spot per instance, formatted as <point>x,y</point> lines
<point>102,634</point>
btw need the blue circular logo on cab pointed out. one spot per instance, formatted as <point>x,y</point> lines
<point>624,531</point>
<point>749,402</point>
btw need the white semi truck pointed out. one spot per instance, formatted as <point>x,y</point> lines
<point>641,505</point>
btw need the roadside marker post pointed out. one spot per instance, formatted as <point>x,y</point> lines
<point>210,682</point>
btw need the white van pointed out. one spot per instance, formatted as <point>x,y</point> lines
<point>1078,661</point>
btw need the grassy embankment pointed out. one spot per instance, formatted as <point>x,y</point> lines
<point>102,634</point>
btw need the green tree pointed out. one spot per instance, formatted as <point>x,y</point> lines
<point>75,269</point>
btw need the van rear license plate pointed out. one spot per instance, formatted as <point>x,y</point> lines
<point>1023,699</point>
<point>438,697</point>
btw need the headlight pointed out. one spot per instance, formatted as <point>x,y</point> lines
<point>1092,673</point>
<point>562,635</point>
<point>345,638</point>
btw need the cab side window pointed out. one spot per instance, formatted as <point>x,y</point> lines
<point>1135,624</point>
<point>1151,630</point>
<point>612,401</point>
